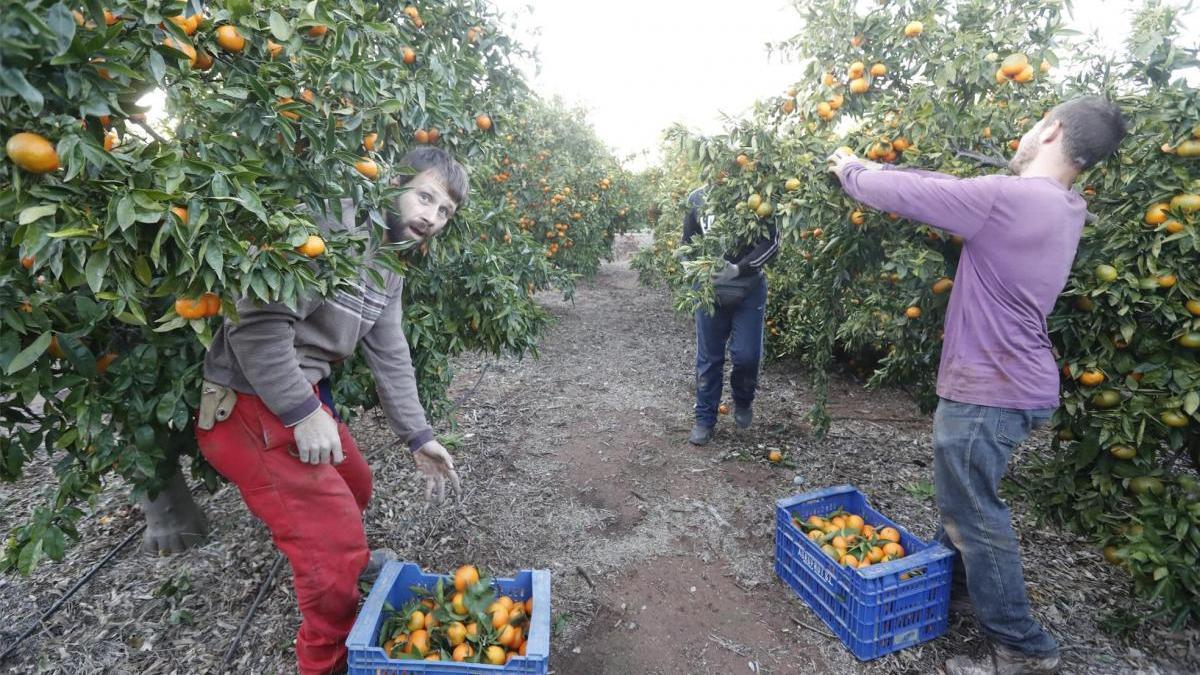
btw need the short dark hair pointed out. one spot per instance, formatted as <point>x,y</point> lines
<point>454,175</point>
<point>1093,127</point>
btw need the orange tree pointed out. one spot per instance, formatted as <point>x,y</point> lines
<point>944,88</point>
<point>569,191</point>
<point>123,239</point>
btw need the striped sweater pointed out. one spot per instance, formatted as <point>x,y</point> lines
<point>279,354</point>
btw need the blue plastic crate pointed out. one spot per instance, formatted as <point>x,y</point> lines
<point>874,611</point>
<point>394,588</point>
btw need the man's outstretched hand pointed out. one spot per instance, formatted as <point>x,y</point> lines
<point>436,464</point>
<point>841,158</point>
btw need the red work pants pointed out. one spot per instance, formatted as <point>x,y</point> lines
<point>314,514</point>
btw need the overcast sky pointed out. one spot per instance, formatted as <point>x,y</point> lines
<point>640,65</point>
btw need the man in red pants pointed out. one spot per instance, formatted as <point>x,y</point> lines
<point>263,426</point>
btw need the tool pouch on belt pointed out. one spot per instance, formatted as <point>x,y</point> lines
<point>216,404</point>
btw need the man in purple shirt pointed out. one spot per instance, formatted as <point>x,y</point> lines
<point>997,380</point>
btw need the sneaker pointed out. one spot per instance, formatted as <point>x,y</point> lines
<point>743,415</point>
<point>700,435</point>
<point>1004,661</point>
<point>379,557</point>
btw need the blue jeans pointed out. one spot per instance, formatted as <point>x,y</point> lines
<point>971,448</point>
<point>740,327</point>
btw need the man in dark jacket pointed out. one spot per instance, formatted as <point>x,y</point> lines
<point>735,323</point>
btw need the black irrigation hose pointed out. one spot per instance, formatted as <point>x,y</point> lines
<point>67,596</point>
<point>262,589</point>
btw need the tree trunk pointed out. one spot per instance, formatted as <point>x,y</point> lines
<point>174,522</point>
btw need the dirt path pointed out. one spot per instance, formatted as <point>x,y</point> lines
<point>576,462</point>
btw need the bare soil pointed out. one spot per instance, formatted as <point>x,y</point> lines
<point>576,462</point>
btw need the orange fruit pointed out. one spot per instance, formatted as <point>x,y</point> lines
<point>1174,419</point>
<point>901,144</point>
<point>878,70</point>
<point>465,577</point>
<point>318,31</point>
<point>483,122</point>
<point>868,531</point>
<point>1157,214</point>
<point>1186,202</point>
<point>212,304</point>
<point>204,60</point>
<point>434,134</point>
<point>521,651</point>
<point>824,110</point>
<point>369,141</point>
<point>313,247</point>
<point>849,561</point>
<point>509,635</point>
<point>274,48</point>
<point>416,620</point>
<point>494,655</point>
<point>1123,452</point>
<point>28,261</point>
<point>1013,64</point>
<point>409,56</point>
<point>775,456</point>
<point>942,285</point>
<point>1167,280</point>
<point>890,534</point>
<point>472,629</point>
<point>458,604</point>
<point>1026,75</point>
<point>1173,227</point>
<point>421,136</point>
<point>418,642</point>
<point>367,167</point>
<point>854,522</point>
<point>181,213</point>
<point>836,102</point>
<point>913,312</point>
<point>1193,306</point>
<point>828,80</point>
<point>913,29</point>
<point>307,96</point>
<point>875,554</point>
<point>856,70</point>
<point>859,86</point>
<point>499,618</point>
<point>893,550</point>
<point>190,308</point>
<point>1091,378</point>
<point>188,50</point>
<point>110,140</point>
<point>462,652</point>
<point>104,362</point>
<point>32,152</point>
<point>290,114</point>
<point>230,39</point>
<point>186,24</point>
<point>473,34</point>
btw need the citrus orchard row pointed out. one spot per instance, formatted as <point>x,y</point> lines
<point>872,288</point>
<point>126,238</point>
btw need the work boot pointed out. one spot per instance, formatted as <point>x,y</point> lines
<point>1004,661</point>
<point>743,415</point>
<point>379,558</point>
<point>700,435</point>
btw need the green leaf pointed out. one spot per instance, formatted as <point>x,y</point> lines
<point>15,80</point>
<point>61,21</point>
<point>97,265</point>
<point>1160,572</point>
<point>252,203</point>
<point>215,258</point>
<point>71,232</point>
<point>35,213</point>
<point>126,215</point>
<point>158,66</point>
<point>1191,402</point>
<point>166,407</point>
<point>141,269</point>
<point>30,354</point>
<point>280,28</point>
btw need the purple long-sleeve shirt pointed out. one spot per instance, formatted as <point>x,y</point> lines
<point>1020,237</point>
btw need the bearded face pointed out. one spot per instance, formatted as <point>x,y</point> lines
<point>421,213</point>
